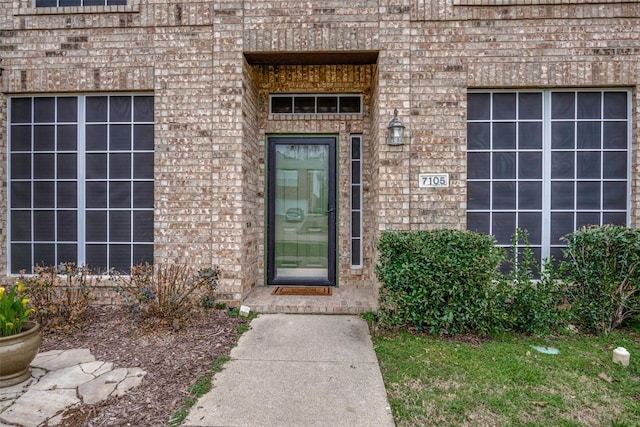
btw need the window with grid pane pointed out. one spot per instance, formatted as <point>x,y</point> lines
<point>63,3</point>
<point>548,162</point>
<point>81,181</point>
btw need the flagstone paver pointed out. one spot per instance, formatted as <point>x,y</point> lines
<point>59,380</point>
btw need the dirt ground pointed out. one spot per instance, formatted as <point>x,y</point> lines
<point>173,359</point>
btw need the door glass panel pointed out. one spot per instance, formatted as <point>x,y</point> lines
<point>302,212</point>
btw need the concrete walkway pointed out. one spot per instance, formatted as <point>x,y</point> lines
<point>298,370</point>
<point>61,379</point>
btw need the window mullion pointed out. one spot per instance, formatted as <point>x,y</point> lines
<point>81,162</point>
<point>546,174</point>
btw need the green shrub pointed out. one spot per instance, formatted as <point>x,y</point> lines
<point>441,281</point>
<point>602,273</point>
<point>59,294</point>
<point>166,291</point>
<point>531,305</point>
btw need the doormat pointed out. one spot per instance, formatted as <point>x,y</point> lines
<point>303,290</point>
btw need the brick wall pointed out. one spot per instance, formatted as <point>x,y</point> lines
<point>211,103</point>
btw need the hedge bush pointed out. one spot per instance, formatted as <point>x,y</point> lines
<point>602,275</point>
<point>440,281</point>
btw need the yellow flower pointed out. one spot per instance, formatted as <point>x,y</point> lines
<point>20,287</point>
<point>25,302</point>
<point>9,325</point>
<point>1,292</point>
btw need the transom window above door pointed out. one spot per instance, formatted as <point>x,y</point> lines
<point>315,104</point>
<point>548,162</point>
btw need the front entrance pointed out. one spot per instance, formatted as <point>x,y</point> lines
<point>301,216</point>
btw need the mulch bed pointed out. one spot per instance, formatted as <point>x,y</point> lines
<point>172,357</point>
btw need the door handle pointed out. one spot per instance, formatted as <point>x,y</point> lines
<point>329,211</point>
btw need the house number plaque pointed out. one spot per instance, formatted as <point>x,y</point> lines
<point>433,180</point>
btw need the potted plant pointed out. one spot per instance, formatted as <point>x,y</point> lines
<point>19,337</point>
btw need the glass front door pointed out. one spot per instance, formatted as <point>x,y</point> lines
<point>301,211</point>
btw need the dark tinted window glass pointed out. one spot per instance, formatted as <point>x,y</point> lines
<point>143,165</point>
<point>587,218</point>
<point>530,106</point>
<point>588,135</point>
<point>281,104</point>
<point>67,226</point>
<point>562,105</point>
<point>20,166</point>
<point>478,195</point>
<point>67,166</point>
<point>44,138</point>
<point>96,194</point>
<point>120,257</point>
<point>478,106</point>
<point>304,104</point>
<point>529,195</point>
<point>615,105</point>
<point>143,137</point>
<point>120,166</point>
<point>44,110</point>
<point>479,222</point>
<point>96,227</point>
<point>614,195</point>
<point>21,110</point>
<point>96,256</point>
<point>562,135</point>
<point>615,218</point>
<point>504,136</point>
<point>479,165</point>
<point>44,254</point>
<point>350,104</point>
<point>532,222</point>
<point>504,165</point>
<point>20,225</point>
<point>143,194</point>
<point>43,166</point>
<point>44,225</point>
<point>96,108</point>
<point>20,138</point>
<point>562,195</point>
<point>142,254</point>
<point>96,137</point>
<point>67,194</point>
<point>143,226</point>
<point>143,109</point>
<point>43,195</point>
<point>327,104</point>
<point>120,194</point>
<point>120,137</point>
<point>529,165</point>
<point>614,135</point>
<point>561,225</point>
<point>504,195</point>
<point>355,252</point>
<point>96,166</point>
<point>20,194</point>
<point>588,165</point>
<point>588,195</point>
<point>68,109</point>
<point>504,225</point>
<point>529,136</point>
<point>120,109</point>
<point>615,164</point>
<point>21,257</point>
<point>355,197</point>
<point>119,226</point>
<point>562,165</point>
<point>67,137</point>
<point>504,106</point>
<point>589,105</point>
<point>478,136</point>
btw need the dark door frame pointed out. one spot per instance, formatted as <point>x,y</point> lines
<point>331,142</point>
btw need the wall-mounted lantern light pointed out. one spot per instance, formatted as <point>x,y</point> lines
<point>396,130</point>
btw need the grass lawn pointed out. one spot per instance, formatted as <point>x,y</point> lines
<point>506,382</point>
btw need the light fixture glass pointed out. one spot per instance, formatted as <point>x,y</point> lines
<point>396,130</point>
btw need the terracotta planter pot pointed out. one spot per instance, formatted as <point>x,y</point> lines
<point>17,352</point>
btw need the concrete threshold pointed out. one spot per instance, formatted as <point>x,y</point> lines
<point>345,300</point>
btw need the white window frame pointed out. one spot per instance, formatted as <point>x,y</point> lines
<point>355,190</point>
